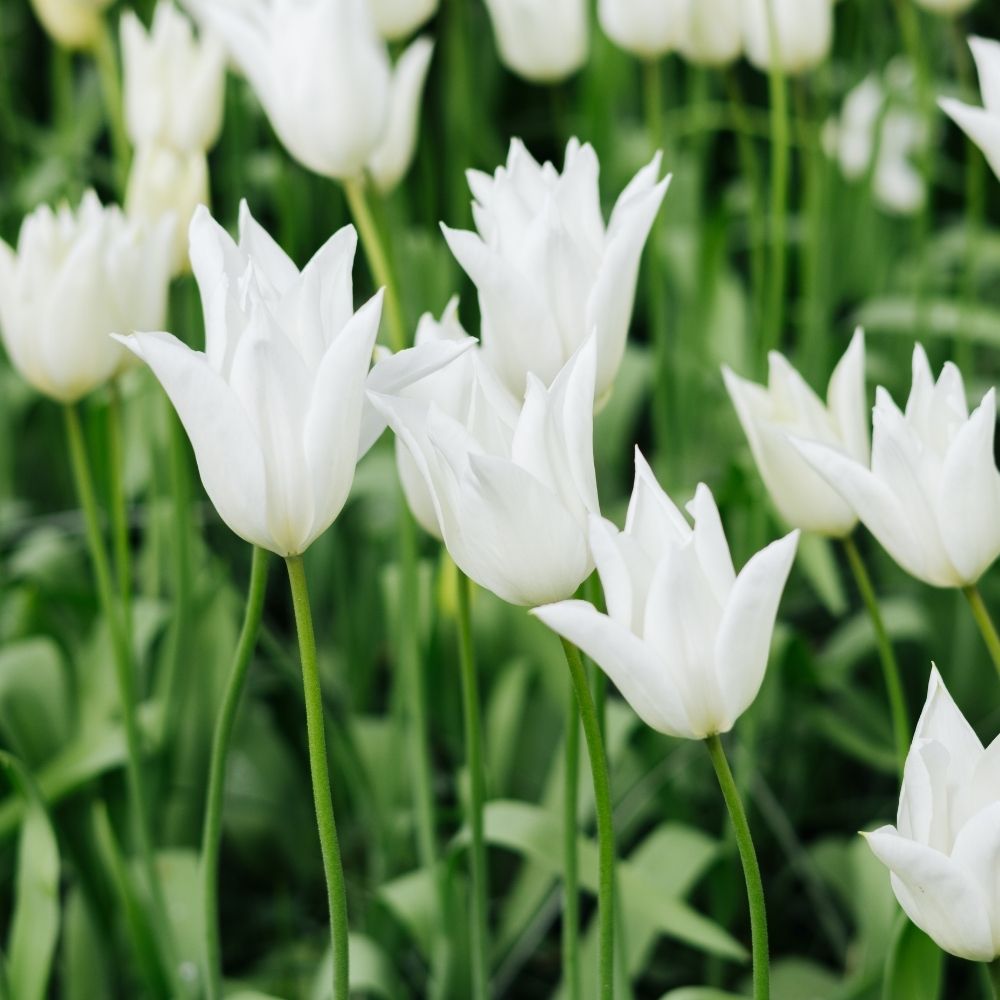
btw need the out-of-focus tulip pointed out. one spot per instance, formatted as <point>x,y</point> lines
<point>323,75</point>
<point>511,489</point>
<point>948,7</point>
<point>803,31</point>
<point>943,850</point>
<point>75,278</point>
<point>685,639</point>
<point>646,28</point>
<point>74,24</point>
<point>541,40</point>
<point>788,406</point>
<point>982,125</point>
<point>932,495</point>
<point>548,271</point>
<point>712,34</point>
<point>397,19</point>
<point>173,82</point>
<point>275,406</point>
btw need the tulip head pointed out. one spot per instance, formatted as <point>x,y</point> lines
<point>647,28</point>
<point>802,31</point>
<point>548,271</point>
<point>943,850</point>
<point>541,40</point>
<point>73,24</point>
<point>932,494</point>
<point>685,639</point>
<point>396,19</point>
<point>788,408</point>
<point>712,34</point>
<point>75,278</point>
<point>982,125</point>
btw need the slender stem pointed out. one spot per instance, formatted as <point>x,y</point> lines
<point>212,830</point>
<point>111,89</point>
<point>333,868</point>
<point>605,828</point>
<point>477,791</point>
<point>571,880</point>
<point>994,971</point>
<point>378,260</point>
<point>985,622</point>
<point>890,667</point>
<point>751,870</point>
<point>119,513</point>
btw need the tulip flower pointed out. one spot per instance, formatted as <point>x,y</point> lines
<point>712,34</point>
<point>74,24</point>
<point>982,125</point>
<point>942,851</point>
<point>511,487</point>
<point>397,19</point>
<point>275,406</point>
<point>548,271</point>
<point>788,407</point>
<point>76,277</point>
<point>646,29</point>
<point>685,639</point>
<point>803,30</point>
<point>541,40</point>
<point>932,494</point>
<point>324,78</point>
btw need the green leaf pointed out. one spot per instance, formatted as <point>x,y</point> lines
<point>946,318</point>
<point>84,965</point>
<point>815,558</point>
<point>914,967</point>
<point>701,993</point>
<point>372,972</point>
<point>34,699</point>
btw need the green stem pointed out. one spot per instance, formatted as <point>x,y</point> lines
<point>890,667</point>
<point>994,972</point>
<point>212,830</point>
<point>111,88</point>
<point>378,260</point>
<point>571,880</point>
<point>605,827</point>
<point>119,512</point>
<point>751,870</point>
<point>985,622</point>
<point>333,868</point>
<point>477,791</point>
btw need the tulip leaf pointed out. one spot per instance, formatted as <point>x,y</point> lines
<point>949,318</point>
<point>84,957</point>
<point>34,699</point>
<point>914,966</point>
<point>701,993</point>
<point>371,972</point>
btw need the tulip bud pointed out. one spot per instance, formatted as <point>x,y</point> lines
<point>788,407</point>
<point>548,271</point>
<point>75,278</point>
<point>397,19</point>
<point>982,125</point>
<point>942,851</point>
<point>932,494</point>
<point>646,28</point>
<point>541,40</point>
<point>73,24</point>
<point>685,639</point>
<point>803,31</point>
<point>712,34</point>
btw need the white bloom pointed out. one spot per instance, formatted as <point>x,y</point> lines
<point>932,495</point>
<point>397,19</point>
<point>789,407</point>
<point>712,34</point>
<point>75,278</point>
<point>541,40</point>
<point>685,639</point>
<point>982,125</point>
<point>74,24</point>
<point>803,30</point>
<point>548,271</point>
<point>944,851</point>
<point>646,28</point>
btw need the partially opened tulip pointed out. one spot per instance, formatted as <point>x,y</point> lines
<point>74,24</point>
<point>982,125</point>
<point>788,407</point>
<point>802,33</point>
<point>943,850</point>
<point>646,28</point>
<point>541,40</point>
<point>397,19</point>
<point>548,270</point>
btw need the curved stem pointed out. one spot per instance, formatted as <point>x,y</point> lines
<point>119,513</point>
<point>477,791</point>
<point>605,827</point>
<point>751,870</point>
<point>571,879</point>
<point>890,667</point>
<point>333,868</point>
<point>378,261</point>
<point>111,89</point>
<point>985,623</point>
<point>212,829</point>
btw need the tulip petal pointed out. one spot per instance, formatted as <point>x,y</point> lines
<point>941,721</point>
<point>711,545</point>
<point>982,127</point>
<point>625,571</point>
<point>653,519</point>
<point>986,53</point>
<point>269,260</point>
<point>977,851</point>
<point>846,399</point>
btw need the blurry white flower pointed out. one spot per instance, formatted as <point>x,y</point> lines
<point>397,19</point>
<point>685,639</point>
<point>74,24</point>
<point>788,406</point>
<point>712,34</point>
<point>982,125</point>
<point>943,850</point>
<point>803,30</point>
<point>75,278</point>
<point>540,40</point>
<point>945,6</point>
<point>932,495</point>
<point>548,271</point>
<point>646,28</point>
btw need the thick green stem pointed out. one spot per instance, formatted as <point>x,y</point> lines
<point>985,623</point>
<point>333,868</point>
<point>378,261</point>
<point>212,829</point>
<point>890,667</point>
<point>477,791</point>
<point>119,511</point>
<point>571,880</point>
<point>994,971</point>
<point>111,89</point>
<point>605,826</point>
<point>751,870</point>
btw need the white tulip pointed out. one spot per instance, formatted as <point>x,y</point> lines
<point>646,28</point>
<point>789,407</point>
<point>173,83</point>
<point>548,271</point>
<point>803,31</point>
<point>75,278</point>
<point>74,24</point>
<point>275,406</point>
<point>932,494</point>
<point>982,125</point>
<point>511,488</point>
<point>949,7</point>
<point>397,19</point>
<point>685,639</point>
<point>541,40</point>
<point>712,34</point>
<point>943,850</point>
